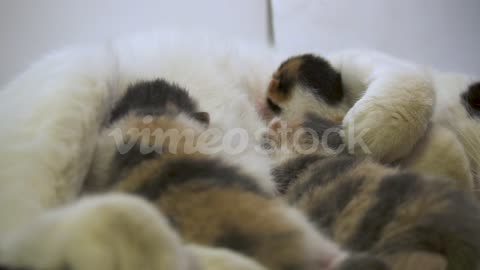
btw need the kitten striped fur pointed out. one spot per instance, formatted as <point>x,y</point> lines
<point>368,208</point>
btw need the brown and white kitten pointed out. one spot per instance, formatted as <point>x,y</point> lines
<point>409,220</point>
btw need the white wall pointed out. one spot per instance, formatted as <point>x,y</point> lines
<point>442,33</point>
<point>30,28</point>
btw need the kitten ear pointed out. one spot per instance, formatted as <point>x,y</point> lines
<point>317,73</point>
<point>202,117</point>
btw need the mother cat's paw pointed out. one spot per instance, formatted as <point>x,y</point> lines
<point>106,232</point>
<point>387,124</point>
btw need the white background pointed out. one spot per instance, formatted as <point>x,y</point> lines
<point>443,33</point>
<point>30,28</point>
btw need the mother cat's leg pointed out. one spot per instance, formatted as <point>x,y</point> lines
<point>440,153</point>
<point>392,104</point>
<point>50,118</point>
<point>118,232</point>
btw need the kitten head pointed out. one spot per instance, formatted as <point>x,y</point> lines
<point>155,98</point>
<point>305,83</point>
<point>312,135</point>
<point>154,119</point>
<point>154,114</point>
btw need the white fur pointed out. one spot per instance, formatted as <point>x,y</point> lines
<point>107,232</point>
<point>440,153</point>
<point>52,113</point>
<point>451,113</point>
<point>396,101</point>
<point>222,259</point>
<point>392,102</point>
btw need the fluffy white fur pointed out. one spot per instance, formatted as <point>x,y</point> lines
<point>104,232</point>
<point>392,102</point>
<point>221,259</point>
<point>52,114</point>
<point>450,113</point>
<point>440,153</point>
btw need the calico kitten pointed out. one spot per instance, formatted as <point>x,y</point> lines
<point>209,201</point>
<point>389,109</point>
<point>306,83</point>
<point>367,207</point>
<point>353,90</point>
